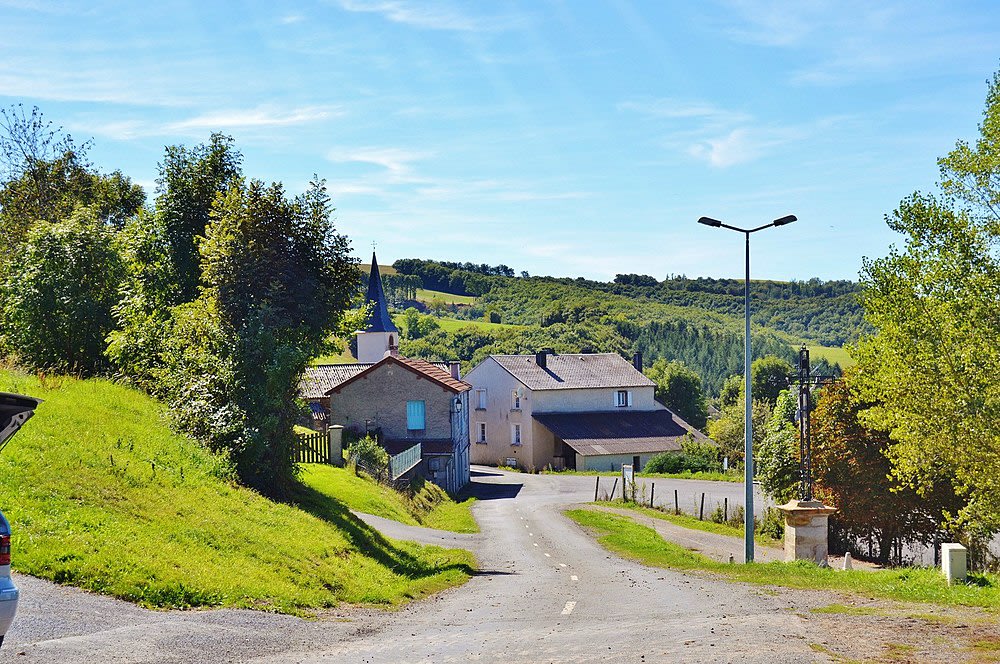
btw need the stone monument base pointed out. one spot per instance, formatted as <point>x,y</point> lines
<point>806,534</point>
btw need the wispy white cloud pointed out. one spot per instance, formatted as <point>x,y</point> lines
<point>421,15</point>
<point>681,109</point>
<point>396,161</point>
<point>222,120</point>
<point>433,15</point>
<point>256,117</point>
<point>741,145</point>
<point>844,41</point>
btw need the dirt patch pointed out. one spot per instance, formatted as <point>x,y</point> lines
<point>854,629</point>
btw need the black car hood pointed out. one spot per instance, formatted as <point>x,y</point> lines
<point>15,409</point>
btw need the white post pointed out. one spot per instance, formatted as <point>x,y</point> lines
<point>954,562</point>
<point>337,445</point>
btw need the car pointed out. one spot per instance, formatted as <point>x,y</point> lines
<point>15,410</point>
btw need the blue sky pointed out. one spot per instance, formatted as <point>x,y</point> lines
<point>570,138</point>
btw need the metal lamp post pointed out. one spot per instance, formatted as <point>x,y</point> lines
<point>748,525</point>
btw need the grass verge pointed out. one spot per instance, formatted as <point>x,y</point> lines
<point>687,521</point>
<point>729,476</point>
<point>636,542</point>
<point>102,495</point>
<point>429,506</point>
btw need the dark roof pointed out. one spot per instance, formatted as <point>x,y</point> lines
<point>380,321</point>
<point>427,445</point>
<point>563,372</point>
<point>320,380</point>
<point>619,432</point>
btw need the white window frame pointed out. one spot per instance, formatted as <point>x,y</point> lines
<point>515,400</point>
<point>481,432</point>
<point>623,398</point>
<point>515,434</point>
<point>481,398</point>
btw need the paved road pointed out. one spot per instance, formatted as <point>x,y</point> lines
<point>546,593</point>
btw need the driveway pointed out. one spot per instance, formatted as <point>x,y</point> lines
<point>546,592</point>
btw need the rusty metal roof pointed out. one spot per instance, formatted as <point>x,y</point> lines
<point>620,432</point>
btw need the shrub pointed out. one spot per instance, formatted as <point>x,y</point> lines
<point>694,456</point>
<point>771,524</point>
<point>369,453</point>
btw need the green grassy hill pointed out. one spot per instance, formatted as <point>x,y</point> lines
<point>102,495</point>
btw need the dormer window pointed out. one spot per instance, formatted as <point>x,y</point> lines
<point>623,398</point>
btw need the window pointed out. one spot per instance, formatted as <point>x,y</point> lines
<point>481,430</point>
<point>515,434</point>
<point>415,416</point>
<point>481,399</point>
<point>515,400</point>
<point>623,398</point>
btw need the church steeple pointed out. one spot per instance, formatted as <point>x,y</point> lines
<point>380,321</point>
<point>381,335</point>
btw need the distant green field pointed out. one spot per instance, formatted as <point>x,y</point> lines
<point>340,358</point>
<point>452,324</point>
<point>832,354</point>
<point>425,295</point>
<point>382,269</point>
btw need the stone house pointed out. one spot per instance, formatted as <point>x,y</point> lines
<point>402,401</point>
<point>579,411</point>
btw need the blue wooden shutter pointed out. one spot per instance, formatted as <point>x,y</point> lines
<point>415,415</point>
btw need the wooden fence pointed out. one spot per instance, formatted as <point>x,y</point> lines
<point>313,448</point>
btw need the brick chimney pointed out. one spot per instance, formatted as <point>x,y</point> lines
<point>637,362</point>
<point>454,367</point>
<point>540,358</point>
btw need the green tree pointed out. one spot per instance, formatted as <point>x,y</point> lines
<point>679,388</point>
<point>276,281</point>
<point>728,430</point>
<point>190,179</point>
<point>45,175</point>
<point>853,473</point>
<point>768,377</point>
<point>777,458</point>
<point>930,367</point>
<point>59,294</point>
<point>161,255</point>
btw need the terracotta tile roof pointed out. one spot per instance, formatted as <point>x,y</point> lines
<point>563,372</point>
<point>619,432</point>
<point>319,380</point>
<point>440,373</point>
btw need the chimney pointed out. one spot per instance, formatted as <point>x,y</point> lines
<point>540,358</point>
<point>454,368</point>
<point>637,362</point>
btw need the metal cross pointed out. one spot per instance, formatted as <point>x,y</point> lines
<point>806,382</point>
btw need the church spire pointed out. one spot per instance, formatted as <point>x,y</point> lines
<point>380,320</point>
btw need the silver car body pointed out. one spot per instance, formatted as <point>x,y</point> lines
<point>15,410</point>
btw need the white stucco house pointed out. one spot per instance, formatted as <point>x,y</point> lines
<point>579,411</point>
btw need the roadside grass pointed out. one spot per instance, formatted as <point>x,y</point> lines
<point>429,506</point>
<point>687,521</point>
<point>710,476</point>
<point>629,539</point>
<point>103,496</point>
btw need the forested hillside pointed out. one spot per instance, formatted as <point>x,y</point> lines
<point>698,321</point>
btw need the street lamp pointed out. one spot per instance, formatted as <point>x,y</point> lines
<point>748,414</point>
